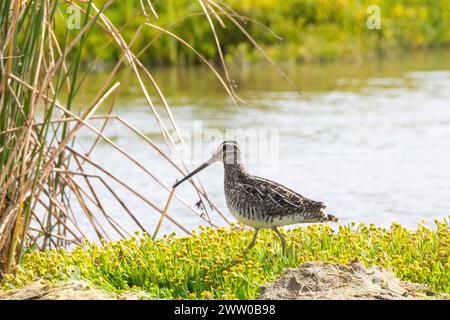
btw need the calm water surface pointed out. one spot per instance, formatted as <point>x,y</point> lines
<point>370,139</point>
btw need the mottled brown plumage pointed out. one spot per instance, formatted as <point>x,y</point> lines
<point>266,203</point>
<point>258,202</point>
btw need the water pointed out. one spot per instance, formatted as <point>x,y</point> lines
<point>370,139</point>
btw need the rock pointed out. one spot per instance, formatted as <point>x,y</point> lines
<point>68,290</point>
<point>321,280</point>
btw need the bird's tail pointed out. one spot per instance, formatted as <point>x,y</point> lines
<point>332,218</point>
<point>325,217</point>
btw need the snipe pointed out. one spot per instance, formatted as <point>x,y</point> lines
<point>258,202</point>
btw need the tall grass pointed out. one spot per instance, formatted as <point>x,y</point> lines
<point>34,72</point>
<point>47,179</point>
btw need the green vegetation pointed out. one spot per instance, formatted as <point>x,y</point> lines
<point>40,77</point>
<point>210,265</point>
<point>311,30</point>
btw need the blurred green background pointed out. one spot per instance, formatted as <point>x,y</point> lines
<point>310,30</point>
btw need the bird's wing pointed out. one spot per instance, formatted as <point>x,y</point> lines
<point>278,195</point>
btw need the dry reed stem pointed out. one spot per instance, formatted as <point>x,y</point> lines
<point>163,215</point>
<point>37,180</point>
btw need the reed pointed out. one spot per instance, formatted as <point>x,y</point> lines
<point>47,178</point>
<point>35,71</point>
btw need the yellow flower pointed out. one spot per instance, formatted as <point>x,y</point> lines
<point>399,10</point>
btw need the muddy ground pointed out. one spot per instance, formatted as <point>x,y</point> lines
<point>68,290</point>
<point>321,280</point>
<point>313,280</point>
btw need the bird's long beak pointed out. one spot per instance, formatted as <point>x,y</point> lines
<point>203,166</point>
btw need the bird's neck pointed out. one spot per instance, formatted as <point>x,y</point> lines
<point>234,169</point>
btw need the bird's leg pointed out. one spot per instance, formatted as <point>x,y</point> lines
<point>283,240</point>
<point>253,241</point>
